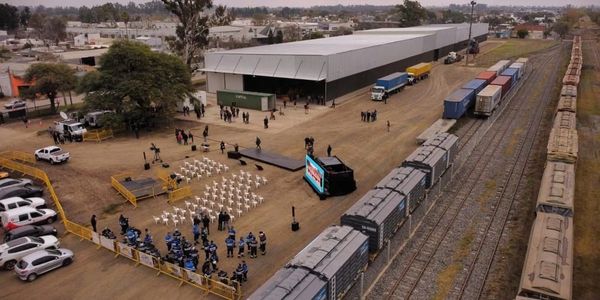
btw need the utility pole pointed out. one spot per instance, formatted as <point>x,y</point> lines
<point>473,3</point>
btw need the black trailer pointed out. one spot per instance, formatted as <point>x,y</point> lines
<point>339,254</point>
<point>378,214</point>
<point>408,181</point>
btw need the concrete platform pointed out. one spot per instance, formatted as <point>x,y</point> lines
<point>274,159</point>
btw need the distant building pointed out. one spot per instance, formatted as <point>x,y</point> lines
<point>237,33</point>
<point>86,39</point>
<point>536,32</point>
<point>154,43</point>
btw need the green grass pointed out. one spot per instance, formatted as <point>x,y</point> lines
<point>446,277</point>
<point>513,49</point>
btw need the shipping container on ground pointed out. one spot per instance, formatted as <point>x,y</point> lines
<point>568,90</point>
<point>499,67</point>
<point>457,104</point>
<point>243,99</point>
<point>291,284</point>
<point>557,190</point>
<point>520,67</point>
<point>476,84</point>
<point>562,145</point>
<point>378,214</point>
<point>338,254</point>
<point>548,267</point>
<point>429,159</point>
<point>445,141</point>
<point>408,181</point>
<point>487,100</point>
<point>505,82</point>
<point>487,76</point>
<point>567,103</point>
<point>513,73</point>
<point>420,70</point>
<point>565,119</point>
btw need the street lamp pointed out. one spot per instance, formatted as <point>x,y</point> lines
<point>473,3</point>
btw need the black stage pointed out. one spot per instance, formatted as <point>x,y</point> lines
<point>143,187</point>
<point>274,159</point>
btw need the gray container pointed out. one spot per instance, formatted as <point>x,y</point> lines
<point>446,141</point>
<point>378,214</point>
<point>292,284</point>
<point>429,159</point>
<point>407,181</point>
<point>339,254</point>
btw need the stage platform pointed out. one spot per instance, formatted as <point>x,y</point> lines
<point>143,187</point>
<point>274,159</point>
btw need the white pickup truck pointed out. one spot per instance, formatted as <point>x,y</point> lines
<point>52,154</point>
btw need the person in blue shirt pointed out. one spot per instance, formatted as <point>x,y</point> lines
<point>196,232</point>
<point>241,245</point>
<point>189,264</point>
<point>249,238</point>
<point>148,237</point>
<point>244,270</point>
<point>231,232</point>
<point>168,241</point>
<point>229,243</point>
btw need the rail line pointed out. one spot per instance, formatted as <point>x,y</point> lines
<point>424,253</point>
<point>470,287</point>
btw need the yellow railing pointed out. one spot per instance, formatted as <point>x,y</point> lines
<point>78,230</point>
<point>18,156</point>
<point>180,193</point>
<point>115,181</point>
<point>98,135</point>
<point>36,173</point>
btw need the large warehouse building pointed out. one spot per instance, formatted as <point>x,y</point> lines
<point>331,67</point>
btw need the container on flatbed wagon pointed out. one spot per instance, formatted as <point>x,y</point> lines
<point>499,67</point>
<point>520,67</point>
<point>503,81</point>
<point>487,100</point>
<point>487,76</point>
<point>476,84</point>
<point>457,104</point>
<point>513,73</point>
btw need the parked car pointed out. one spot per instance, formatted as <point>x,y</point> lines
<point>3,175</point>
<point>14,104</point>
<point>26,216</point>
<point>14,182</point>
<point>43,261</point>
<point>52,154</point>
<point>16,202</point>
<point>30,230</point>
<point>23,191</point>
<point>12,251</point>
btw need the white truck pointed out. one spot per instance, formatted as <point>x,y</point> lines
<point>70,127</point>
<point>52,154</point>
<point>388,85</point>
<point>94,119</point>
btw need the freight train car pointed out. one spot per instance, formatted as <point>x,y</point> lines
<point>339,254</point>
<point>568,90</point>
<point>457,103</point>
<point>548,269</point>
<point>557,191</point>
<point>567,103</point>
<point>487,100</point>
<point>505,82</point>
<point>429,159</point>
<point>407,181</point>
<point>378,214</point>
<point>292,284</point>
<point>445,141</point>
<point>566,120</point>
<point>562,145</point>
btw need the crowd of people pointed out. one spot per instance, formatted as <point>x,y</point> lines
<point>184,253</point>
<point>182,137</point>
<point>368,116</point>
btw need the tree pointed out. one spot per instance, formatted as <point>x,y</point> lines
<point>24,16</point>
<point>410,13</point>
<point>316,35</point>
<point>452,16</point>
<point>192,32</point>
<point>49,79</point>
<point>259,19</point>
<point>9,17</point>
<point>561,28</point>
<point>55,29</point>
<point>522,33</point>
<point>137,83</point>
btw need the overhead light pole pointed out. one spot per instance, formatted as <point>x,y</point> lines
<point>473,3</point>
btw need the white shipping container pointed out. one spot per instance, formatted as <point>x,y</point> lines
<point>487,100</point>
<point>499,67</point>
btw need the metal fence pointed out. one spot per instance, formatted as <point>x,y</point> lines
<point>98,135</point>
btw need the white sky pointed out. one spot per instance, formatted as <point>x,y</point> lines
<point>304,3</point>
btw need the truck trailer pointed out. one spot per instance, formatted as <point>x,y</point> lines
<point>388,85</point>
<point>418,72</point>
<point>487,100</point>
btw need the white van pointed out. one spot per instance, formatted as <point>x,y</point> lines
<point>16,202</point>
<point>26,216</point>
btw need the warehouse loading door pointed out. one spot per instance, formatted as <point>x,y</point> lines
<point>436,54</point>
<point>264,103</point>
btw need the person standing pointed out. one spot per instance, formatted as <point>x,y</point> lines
<point>93,221</point>
<point>205,135</point>
<point>253,247</point>
<point>231,232</point>
<point>241,245</point>
<point>266,122</point>
<point>388,125</point>
<point>220,221</point>
<point>230,244</point>
<point>368,116</point>
<point>226,218</point>
<point>329,150</point>
<point>196,232</point>
<point>185,137</point>
<point>147,237</point>
<point>222,147</point>
<point>204,235</point>
<point>191,136</point>
<point>206,223</point>
<point>263,243</point>
<point>123,223</point>
<point>258,141</point>
<point>244,270</point>
<point>168,241</point>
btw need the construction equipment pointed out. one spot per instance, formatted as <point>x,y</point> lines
<point>452,58</point>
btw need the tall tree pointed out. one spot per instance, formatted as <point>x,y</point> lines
<point>55,29</point>
<point>192,32</point>
<point>49,79</point>
<point>24,16</point>
<point>410,13</point>
<point>136,82</point>
<point>9,17</point>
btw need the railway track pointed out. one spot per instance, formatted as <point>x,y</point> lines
<point>472,283</point>
<point>423,253</point>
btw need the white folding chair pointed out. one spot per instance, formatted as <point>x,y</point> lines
<point>261,199</point>
<point>165,220</point>
<point>175,222</point>
<point>231,217</point>
<point>247,207</point>
<point>254,203</point>
<point>182,218</point>
<point>239,212</point>
<point>176,209</point>
<point>212,218</point>
<point>156,219</point>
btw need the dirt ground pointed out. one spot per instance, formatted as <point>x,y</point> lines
<point>83,184</point>
<point>586,271</point>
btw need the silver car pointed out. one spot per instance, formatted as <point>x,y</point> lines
<point>14,182</point>
<point>40,262</point>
